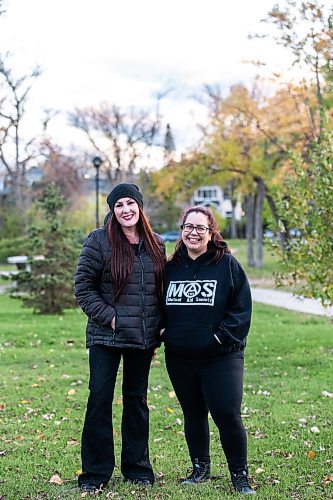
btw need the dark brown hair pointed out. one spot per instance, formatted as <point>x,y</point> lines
<point>122,254</point>
<point>216,244</point>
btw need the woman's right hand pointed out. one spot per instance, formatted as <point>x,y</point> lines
<point>113,323</point>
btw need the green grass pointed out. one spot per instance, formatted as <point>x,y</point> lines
<point>5,267</point>
<point>43,392</point>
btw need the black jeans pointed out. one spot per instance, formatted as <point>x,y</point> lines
<point>97,450</point>
<point>212,385</point>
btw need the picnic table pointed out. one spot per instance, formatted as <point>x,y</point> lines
<point>22,261</point>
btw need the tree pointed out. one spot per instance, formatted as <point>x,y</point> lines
<point>305,28</point>
<point>169,145</point>
<point>123,137</point>
<point>54,250</point>
<point>307,202</point>
<point>15,150</point>
<point>61,169</point>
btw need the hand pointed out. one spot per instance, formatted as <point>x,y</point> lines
<point>162,330</point>
<point>154,353</point>
<point>113,323</point>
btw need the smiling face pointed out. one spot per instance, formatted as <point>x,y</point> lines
<point>195,243</point>
<point>126,211</point>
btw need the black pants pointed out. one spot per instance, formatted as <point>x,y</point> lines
<point>97,450</point>
<point>212,385</point>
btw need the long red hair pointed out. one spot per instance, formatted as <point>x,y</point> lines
<point>122,254</point>
<point>216,244</point>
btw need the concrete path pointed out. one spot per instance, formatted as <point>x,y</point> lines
<point>289,301</point>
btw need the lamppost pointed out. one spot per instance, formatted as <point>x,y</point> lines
<point>97,162</point>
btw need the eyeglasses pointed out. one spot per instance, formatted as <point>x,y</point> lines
<point>188,228</point>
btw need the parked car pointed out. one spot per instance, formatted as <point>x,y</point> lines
<point>170,236</point>
<point>269,234</point>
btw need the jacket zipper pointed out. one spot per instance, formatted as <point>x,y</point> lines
<point>143,319</point>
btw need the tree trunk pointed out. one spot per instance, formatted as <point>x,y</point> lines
<point>233,226</point>
<point>282,234</point>
<point>249,207</point>
<point>258,224</point>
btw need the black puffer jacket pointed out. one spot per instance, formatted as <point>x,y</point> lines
<point>137,312</point>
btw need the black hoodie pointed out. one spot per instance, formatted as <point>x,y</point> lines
<point>207,305</point>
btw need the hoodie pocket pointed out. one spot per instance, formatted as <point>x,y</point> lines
<point>190,339</point>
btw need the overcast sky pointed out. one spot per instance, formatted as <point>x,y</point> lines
<point>123,51</point>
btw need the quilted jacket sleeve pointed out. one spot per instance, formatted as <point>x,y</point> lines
<point>87,278</point>
<point>235,325</point>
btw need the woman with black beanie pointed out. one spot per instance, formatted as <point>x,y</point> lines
<point>118,284</point>
<point>207,303</point>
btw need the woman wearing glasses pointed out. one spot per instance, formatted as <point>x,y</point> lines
<point>208,314</point>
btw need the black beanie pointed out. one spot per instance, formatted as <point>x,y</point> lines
<point>124,190</point>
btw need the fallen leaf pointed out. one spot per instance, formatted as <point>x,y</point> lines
<point>72,442</point>
<point>25,401</point>
<point>71,392</point>
<point>169,410</point>
<point>260,470</point>
<point>172,394</point>
<point>311,454</point>
<point>56,479</point>
<point>2,406</point>
<point>328,479</point>
<point>327,394</point>
<point>78,472</point>
<point>315,429</point>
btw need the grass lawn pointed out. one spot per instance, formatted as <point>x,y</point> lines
<point>43,392</point>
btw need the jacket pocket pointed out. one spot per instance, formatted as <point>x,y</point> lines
<point>190,339</point>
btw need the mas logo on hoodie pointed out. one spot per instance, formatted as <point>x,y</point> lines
<point>191,292</point>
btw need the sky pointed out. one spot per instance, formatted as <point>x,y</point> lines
<point>125,51</point>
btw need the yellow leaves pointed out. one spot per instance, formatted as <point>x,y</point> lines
<point>25,401</point>
<point>172,394</point>
<point>78,472</point>
<point>169,410</point>
<point>71,392</point>
<point>311,454</point>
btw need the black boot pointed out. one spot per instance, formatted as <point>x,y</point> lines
<point>200,472</point>
<point>240,481</point>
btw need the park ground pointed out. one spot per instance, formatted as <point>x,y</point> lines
<point>287,410</point>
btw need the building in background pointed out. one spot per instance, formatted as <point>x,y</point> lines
<point>215,197</point>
